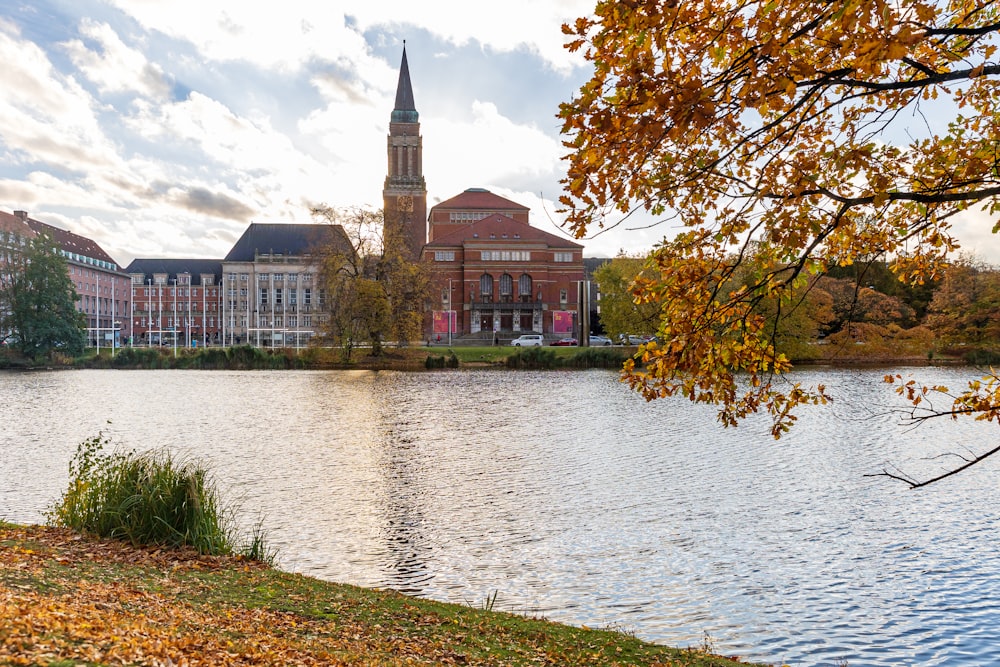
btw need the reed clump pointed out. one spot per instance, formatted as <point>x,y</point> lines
<point>151,498</point>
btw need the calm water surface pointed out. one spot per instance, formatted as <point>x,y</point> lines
<point>572,498</point>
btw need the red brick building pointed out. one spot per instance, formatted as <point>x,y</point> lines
<point>492,272</point>
<point>102,288</point>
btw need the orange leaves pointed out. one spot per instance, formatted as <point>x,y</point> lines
<point>795,124</point>
<point>716,348</point>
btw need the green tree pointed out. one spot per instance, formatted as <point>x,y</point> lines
<point>620,312</point>
<point>37,300</point>
<point>376,293</point>
<point>828,133</point>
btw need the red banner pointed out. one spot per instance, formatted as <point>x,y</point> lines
<point>562,321</point>
<point>442,319</point>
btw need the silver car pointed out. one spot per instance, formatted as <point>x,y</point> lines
<point>528,340</point>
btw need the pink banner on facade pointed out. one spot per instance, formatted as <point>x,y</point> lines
<point>562,321</point>
<point>441,320</point>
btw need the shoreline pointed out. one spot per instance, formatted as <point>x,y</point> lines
<point>69,598</point>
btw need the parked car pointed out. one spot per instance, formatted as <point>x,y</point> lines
<point>631,339</point>
<point>597,340</point>
<point>565,342</point>
<point>528,340</point>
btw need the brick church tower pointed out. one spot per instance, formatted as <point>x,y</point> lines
<point>404,194</point>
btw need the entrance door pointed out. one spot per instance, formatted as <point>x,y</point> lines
<point>526,322</point>
<point>506,321</point>
<point>486,322</point>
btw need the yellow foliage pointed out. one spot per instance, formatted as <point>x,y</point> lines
<point>786,127</point>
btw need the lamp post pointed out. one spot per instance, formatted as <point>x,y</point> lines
<point>174,281</point>
<point>451,312</point>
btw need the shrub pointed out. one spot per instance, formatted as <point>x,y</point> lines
<point>149,498</point>
<point>246,357</point>
<point>137,357</point>
<point>597,357</point>
<point>533,357</point>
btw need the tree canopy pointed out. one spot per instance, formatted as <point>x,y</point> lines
<point>376,292</point>
<point>37,299</point>
<point>816,133</point>
<point>620,314</point>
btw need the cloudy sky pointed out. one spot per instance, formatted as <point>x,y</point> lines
<point>164,127</point>
<point>161,128</point>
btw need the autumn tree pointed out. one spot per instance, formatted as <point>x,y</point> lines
<point>965,309</point>
<point>822,131</point>
<point>37,299</point>
<point>376,292</point>
<point>620,313</point>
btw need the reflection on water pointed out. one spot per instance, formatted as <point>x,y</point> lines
<point>571,498</point>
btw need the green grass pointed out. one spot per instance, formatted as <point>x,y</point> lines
<point>80,597</point>
<point>150,498</point>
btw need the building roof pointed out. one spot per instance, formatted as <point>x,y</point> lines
<point>498,227</point>
<point>405,110</point>
<point>479,199</point>
<point>288,239</point>
<point>14,223</point>
<point>173,267</point>
<point>72,243</point>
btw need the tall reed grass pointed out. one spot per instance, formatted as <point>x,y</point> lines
<point>151,498</point>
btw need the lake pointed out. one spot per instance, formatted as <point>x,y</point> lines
<point>569,497</point>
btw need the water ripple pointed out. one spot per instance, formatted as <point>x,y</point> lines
<point>566,495</point>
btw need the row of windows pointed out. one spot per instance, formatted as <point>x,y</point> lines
<point>82,288</point>
<point>181,321</point>
<point>279,277</point>
<point>467,216</point>
<point>279,295</point>
<point>501,256</point>
<point>506,256</point>
<point>506,285</point>
<point>193,306</point>
<point>83,259</point>
<point>178,292</point>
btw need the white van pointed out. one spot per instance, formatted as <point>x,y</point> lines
<point>528,340</point>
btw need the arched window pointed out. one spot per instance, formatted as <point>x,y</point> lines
<point>506,288</point>
<point>524,287</point>
<point>486,287</point>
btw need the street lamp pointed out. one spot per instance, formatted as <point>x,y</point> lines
<point>174,281</point>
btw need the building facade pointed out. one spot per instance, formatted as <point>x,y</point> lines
<point>273,295</point>
<point>102,288</point>
<point>493,273</point>
<point>176,302</point>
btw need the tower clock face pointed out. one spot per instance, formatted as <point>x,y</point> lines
<point>404,203</point>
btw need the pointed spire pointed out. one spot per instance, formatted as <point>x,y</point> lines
<point>405,110</point>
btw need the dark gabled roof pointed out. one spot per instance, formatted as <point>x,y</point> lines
<point>500,228</point>
<point>71,242</point>
<point>479,199</point>
<point>173,267</point>
<point>405,110</point>
<point>288,239</point>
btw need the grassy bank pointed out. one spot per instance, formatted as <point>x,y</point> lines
<point>71,600</point>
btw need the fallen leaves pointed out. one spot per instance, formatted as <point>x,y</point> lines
<point>68,600</point>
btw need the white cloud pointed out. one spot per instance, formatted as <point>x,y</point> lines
<point>286,35</point>
<point>46,117</point>
<point>116,67</point>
